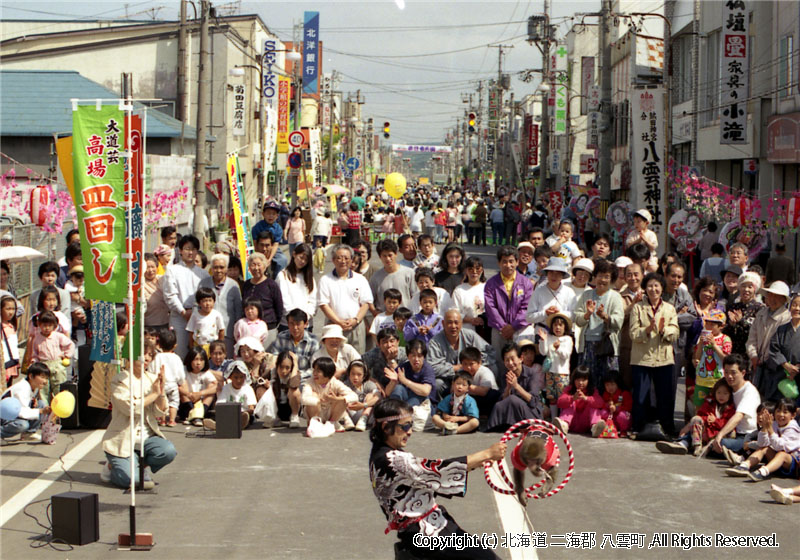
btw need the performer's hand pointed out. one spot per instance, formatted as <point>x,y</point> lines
<point>497,451</point>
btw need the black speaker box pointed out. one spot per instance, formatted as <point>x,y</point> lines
<point>229,420</point>
<point>71,422</point>
<point>76,517</point>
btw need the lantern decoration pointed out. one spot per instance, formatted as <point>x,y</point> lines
<point>745,208</point>
<point>793,212</point>
<point>40,200</point>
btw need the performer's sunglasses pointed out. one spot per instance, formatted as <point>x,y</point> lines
<point>406,427</point>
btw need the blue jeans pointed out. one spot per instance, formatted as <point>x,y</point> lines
<point>407,396</point>
<point>734,444</point>
<point>158,453</point>
<point>19,425</point>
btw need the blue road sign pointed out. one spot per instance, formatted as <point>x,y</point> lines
<point>353,163</point>
<point>295,159</point>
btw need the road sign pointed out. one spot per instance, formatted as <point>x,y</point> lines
<point>348,174</point>
<point>353,163</point>
<point>295,159</point>
<point>297,138</point>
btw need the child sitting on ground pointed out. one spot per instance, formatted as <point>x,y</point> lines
<point>252,324</point>
<point>33,407</point>
<point>617,405</point>
<point>174,372</point>
<point>218,363</point>
<point>54,349</point>
<point>457,413</point>
<point>556,346</point>
<point>580,404</point>
<point>392,298</point>
<point>400,318</point>
<point>778,442</point>
<point>483,385</point>
<point>206,323</point>
<point>359,412</point>
<point>324,396</point>
<point>238,390</point>
<point>710,418</point>
<point>201,384</point>
<point>427,323</point>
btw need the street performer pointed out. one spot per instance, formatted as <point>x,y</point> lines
<point>406,486</point>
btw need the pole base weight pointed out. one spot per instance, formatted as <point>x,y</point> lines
<point>141,541</point>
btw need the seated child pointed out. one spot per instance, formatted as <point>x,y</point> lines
<point>391,301</point>
<point>556,346</point>
<point>54,349</point>
<point>483,385</point>
<point>324,396</point>
<point>711,349</point>
<point>27,392</point>
<point>251,352</point>
<point>238,390</point>
<point>252,324</point>
<point>457,413</point>
<point>283,401</point>
<point>400,318</point>
<point>206,323</point>
<point>580,403</point>
<point>617,405</point>
<point>710,418</point>
<point>174,372</point>
<point>427,323</point>
<point>359,412</point>
<point>201,384</point>
<point>778,442</point>
<point>219,363</point>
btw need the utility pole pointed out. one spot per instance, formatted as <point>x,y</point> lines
<point>480,131</point>
<point>202,125</point>
<point>182,110</point>
<point>500,88</point>
<point>606,130</point>
<point>695,80</point>
<point>544,166</point>
<point>330,131</point>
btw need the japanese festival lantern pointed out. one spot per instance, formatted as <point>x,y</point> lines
<point>40,200</point>
<point>745,207</point>
<point>793,212</point>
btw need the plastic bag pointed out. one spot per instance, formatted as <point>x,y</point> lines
<point>50,429</point>
<point>319,429</point>
<point>421,416</point>
<point>267,407</point>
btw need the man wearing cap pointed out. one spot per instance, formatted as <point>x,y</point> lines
<point>622,264</point>
<point>444,350</point>
<point>506,297</point>
<point>553,296</point>
<point>766,323</point>
<point>270,223</point>
<point>526,266</point>
<point>229,296</point>
<point>641,234</point>
<point>345,297</point>
<point>730,284</point>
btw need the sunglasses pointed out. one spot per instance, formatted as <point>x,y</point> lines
<point>406,427</point>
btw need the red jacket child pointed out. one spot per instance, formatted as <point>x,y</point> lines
<point>622,402</point>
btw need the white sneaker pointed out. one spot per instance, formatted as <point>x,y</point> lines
<point>347,422</point>
<point>782,496</point>
<point>32,437</point>
<point>294,421</point>
<point>210,424</point>
<point>361,425</point>
<point>105,472</point>
<point>268,422</point>
<point>560,424</point>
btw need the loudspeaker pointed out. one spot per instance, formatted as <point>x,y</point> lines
<point>229,420</point>
<point>71,422</point>
<point>76,517</point>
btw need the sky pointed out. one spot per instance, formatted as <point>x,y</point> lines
<point>412,65</point>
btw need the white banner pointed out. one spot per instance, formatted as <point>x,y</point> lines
<point>239,120</point>
<point>733,75</point>
<point>593,131</point>
<point>419,148</point>
<point>270,134</point>
<point>648,157</point>
<point>315,145</point>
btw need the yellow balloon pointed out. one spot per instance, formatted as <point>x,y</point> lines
<point>63,404</point>
<point>395,185</point>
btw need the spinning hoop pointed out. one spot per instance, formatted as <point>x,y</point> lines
<point>516,431</point>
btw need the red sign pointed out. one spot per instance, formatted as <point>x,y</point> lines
<point>134,176</point>
<point>588,163</point>
<point>783,138</point>
<point>556,202</point>
<point>533,144</point>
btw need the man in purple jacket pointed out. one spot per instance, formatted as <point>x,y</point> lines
<point>506,298</point>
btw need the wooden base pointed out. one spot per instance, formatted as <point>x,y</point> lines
<point>141,541</point>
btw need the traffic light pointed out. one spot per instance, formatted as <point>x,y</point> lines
<point>386,129</point>
<point>471,123</point>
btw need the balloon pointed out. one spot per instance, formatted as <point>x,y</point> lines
<point>63,404</point>
<point>9,408</point>
<point>395,185</point>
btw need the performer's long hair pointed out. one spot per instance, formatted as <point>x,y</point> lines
<point>388,408</point>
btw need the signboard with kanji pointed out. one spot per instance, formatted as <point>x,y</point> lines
<point>734,73</point>
<point>269,80</point>
<point>98,168</point>
<point>239,111</point>
<point>560,113</point>
<point>648,158</point>
<point>283,115</point>
<point>310,52</point>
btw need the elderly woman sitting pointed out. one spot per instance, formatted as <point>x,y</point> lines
<point>334,346</point>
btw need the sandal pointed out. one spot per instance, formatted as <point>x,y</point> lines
<point>171,423</point>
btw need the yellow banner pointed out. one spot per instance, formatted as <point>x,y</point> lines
<point>237,191</point>
<point>283,114</point>
<point>64,153</point>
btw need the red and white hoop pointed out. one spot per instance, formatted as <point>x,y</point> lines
<point>516,431</point>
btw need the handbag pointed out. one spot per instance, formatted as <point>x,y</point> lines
<point>11,361</point>
<point>652,432</point>
<point>604,347</point>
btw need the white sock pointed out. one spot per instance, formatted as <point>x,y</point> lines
<point>763,471</point>
<point>745,464</point>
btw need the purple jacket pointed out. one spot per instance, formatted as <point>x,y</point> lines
<point>499,310</point>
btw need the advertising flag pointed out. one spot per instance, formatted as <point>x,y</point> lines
<point>239,209</point>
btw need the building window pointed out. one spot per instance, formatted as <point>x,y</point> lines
<point>709,80</point>
<point>682,69</point>
<point>786,66</point>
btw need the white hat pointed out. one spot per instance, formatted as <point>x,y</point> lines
<point>238,365</point>
<point>644,214</point>
<point>584,264</point>
<point>249,341</point>
<point>527,245</point>
<point>751,278</point>
<point>557,264</point>
<point>623,262</point>
<point>332,331</point>
<point>778,288</point>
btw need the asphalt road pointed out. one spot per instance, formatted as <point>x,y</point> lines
<point>276,494</point>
